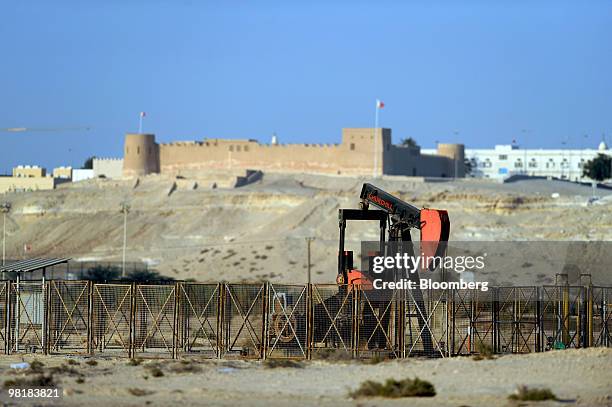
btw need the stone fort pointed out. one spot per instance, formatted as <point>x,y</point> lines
<point>363,151</point>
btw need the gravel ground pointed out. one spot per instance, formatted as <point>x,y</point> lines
<point>577,377</point>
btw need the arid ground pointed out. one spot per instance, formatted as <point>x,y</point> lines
<point>576,377</point>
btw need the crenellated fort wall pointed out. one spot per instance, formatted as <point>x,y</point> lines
<point>360,150</point>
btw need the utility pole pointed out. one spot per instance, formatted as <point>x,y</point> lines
<point>5,208</point>
<point>125,208</point>
<point>308,243</point>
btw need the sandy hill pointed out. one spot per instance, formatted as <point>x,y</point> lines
<point>258,231</point>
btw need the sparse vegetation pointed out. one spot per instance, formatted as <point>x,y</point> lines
<point>485,351</point>
<point>333,354</point>
<point>395,389</point>
<point>143,276</point>
<point>72,362</point>
<point>524,393</point>
<point>102,273</point>
<point>92,362</point>
<point>184,366</point>
<point>155,371</point>
<point>135,362</point>
<point>275,363</point>
<point>139,392</point>
<point>40,380</point>
<point>376,359</point>
<point>36,366</point>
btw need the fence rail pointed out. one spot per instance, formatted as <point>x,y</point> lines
<point>308,321</point>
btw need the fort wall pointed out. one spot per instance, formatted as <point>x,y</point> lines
<point>361,150</point>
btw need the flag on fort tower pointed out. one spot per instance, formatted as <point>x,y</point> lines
<point>143,114</point>
<point>380,104</point>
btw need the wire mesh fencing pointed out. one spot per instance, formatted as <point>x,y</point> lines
<point>307,321</point>
<point>199,319</point>
<point>69,307</point>
<point>332,321</point>
<point>112,318</point>
<point>243,329</point>
<point>287,322</point>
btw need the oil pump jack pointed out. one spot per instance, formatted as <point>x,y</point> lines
<point>395,218</point>
<point>399,218</point>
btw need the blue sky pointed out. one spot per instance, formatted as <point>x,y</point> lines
<point>478,72</point>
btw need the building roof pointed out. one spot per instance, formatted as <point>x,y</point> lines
<point>30,265</point>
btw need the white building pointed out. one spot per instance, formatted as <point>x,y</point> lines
<point>504,161</point>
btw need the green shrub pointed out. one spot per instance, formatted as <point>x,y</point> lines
<point>102,273</point>
<point>395,389</point>
<point>523,393</point>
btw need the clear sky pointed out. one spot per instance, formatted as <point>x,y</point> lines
<point>482,72</point>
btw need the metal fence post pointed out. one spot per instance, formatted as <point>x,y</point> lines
<point>90,334</point>
<point>264,325</point>
<point>132,340</point>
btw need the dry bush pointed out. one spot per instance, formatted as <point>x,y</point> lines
<point>139,392</point>
<point>155,371</point>
<point>333,355</point>
<point>395,389</point>
<point>184,366</point>
<point>523,393</point>
<point>485,351</point>
<point>92,362</point>
<point>274,363</point>
<point>73,362</point>
<point>65,370</point>
<point>376,359</point>
<point>135,362</point>
<point>40,380</point>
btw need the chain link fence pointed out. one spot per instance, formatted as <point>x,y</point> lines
<point>309,321</point>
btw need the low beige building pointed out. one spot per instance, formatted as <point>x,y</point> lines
<point>18,184</point>
<point>362,151</point>
<point>62,173</point>
<point>29,171</point>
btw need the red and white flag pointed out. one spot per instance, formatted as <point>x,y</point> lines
<point>143,114</point>
<point>380,104</point>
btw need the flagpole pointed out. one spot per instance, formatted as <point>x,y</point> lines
<point>140,123</point>
<point>374,171</point>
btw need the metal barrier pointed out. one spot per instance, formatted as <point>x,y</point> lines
<point>287,322</point>
<point>309,321</point>
<point>68,327</point>
<point>198,323</point>
<point>332,320</point>
<point>243,330</point>
<point>517,322</point>
<point>112,318</point>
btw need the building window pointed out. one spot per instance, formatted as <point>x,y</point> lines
<point>137,150</point>
<point>533,163</point>
<point>352,146</point>
<point>231,148</point>
<point>246,148</point>
<point>237,148</point>
<point>503,157</point>
<point>518,163</point>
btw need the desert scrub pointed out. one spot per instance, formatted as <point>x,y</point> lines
<point>524,393</point>
<point>274,363</point>
<point>92,362</point>
<point>135,362</point>
<point>333,355</point>
<point>184,366</point>
<point>41,380</point>
<point>485,351</point>
<point>392,388</point>
<point>139,392</point>
<point>155,371</point>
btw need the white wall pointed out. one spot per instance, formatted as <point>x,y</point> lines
<point>81,175</point>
